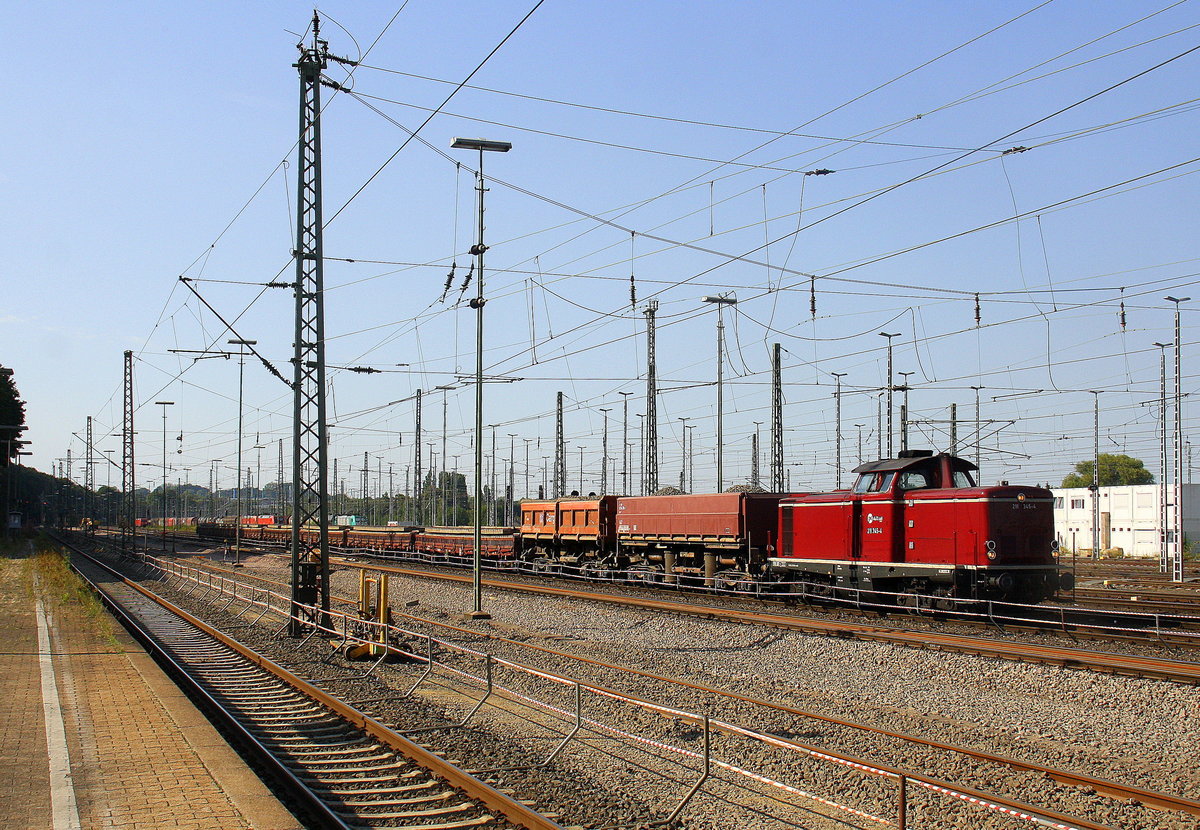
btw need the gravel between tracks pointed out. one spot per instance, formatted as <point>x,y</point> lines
<point>1136,731</point>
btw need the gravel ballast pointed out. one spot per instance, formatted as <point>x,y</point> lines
<point>1135,731</point>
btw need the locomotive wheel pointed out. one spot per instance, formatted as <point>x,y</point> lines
<point>812,591</point>
<point>944,600</point>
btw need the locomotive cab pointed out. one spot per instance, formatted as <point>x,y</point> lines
<point>920,523</point>
<point>914,470</point>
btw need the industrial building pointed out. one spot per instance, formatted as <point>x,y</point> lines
<point>1130,517</point>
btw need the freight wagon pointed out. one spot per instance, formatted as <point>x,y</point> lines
<point>723,538</point>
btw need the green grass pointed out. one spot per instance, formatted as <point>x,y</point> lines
<point>61,588</point>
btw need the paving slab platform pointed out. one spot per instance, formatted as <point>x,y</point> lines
<point>93,734</point>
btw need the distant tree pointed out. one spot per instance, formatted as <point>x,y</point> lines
<point>12,417</point>
<point>1115,470</point>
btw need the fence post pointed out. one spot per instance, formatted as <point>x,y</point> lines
<point>428,665</point>
<point>703,775</point>
<point>574,731</point>
<point>902,804</point>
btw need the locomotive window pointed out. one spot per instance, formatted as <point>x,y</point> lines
<point>913,480</point>
<point>873,482</point>
<point>962,478</point>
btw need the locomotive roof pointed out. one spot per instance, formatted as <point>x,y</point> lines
<point>890,464</point>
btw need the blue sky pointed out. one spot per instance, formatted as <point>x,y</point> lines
<point>138,136</point>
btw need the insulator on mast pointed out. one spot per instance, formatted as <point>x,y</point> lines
<point>467,280</point>
<point>632,262</point>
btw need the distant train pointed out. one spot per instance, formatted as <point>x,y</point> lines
<point>917,524</point>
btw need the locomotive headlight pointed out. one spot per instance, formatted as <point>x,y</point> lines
<point>990,546</point>
<point>1020,497</point>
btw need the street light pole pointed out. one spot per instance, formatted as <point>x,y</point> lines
<point>164,405</point>
<point>478,249</point>
<point>720,301</point>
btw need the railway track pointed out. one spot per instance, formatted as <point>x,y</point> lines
<point>1137,619</point>
<point>1173,626</point>
<point>345,769</point>
<point>1107,787</point>
<point>1108,662</point>
<point>1167,629</point>
<point>1139,600</point>
<point>1113,788</point>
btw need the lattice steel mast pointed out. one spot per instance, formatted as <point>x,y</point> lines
<point>89,492</point>
<point>777,420</point>
<point>310,562</point>
<point>651,424</point>
<point>418,473</point>
<point>279,482</point>
<point>560,451</point>
<point>128,507</point>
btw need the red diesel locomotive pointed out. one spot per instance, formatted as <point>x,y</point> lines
<point>920,524</point>
<point>917,524</point>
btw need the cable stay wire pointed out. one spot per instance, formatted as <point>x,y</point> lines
<point>433,114</point>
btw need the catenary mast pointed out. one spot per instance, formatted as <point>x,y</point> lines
<point>310,562</point>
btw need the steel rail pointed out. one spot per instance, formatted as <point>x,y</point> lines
<point>1107,662</point>
<point>196,691</point>
<point>904,777</point>
<point>1163,626</point>
<point>1116,789</point>
<point>1067,777</point>
<point>510,808</point>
